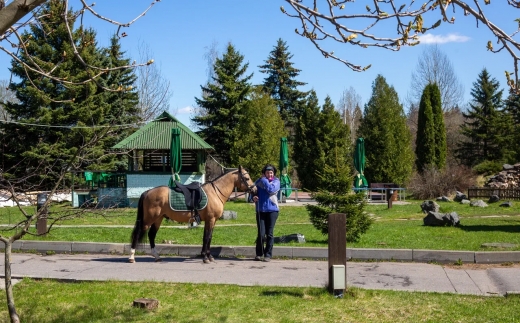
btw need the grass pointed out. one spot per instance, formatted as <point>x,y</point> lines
<point>400,227</point>
<point>47,301</point>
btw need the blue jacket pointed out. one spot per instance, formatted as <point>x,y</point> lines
<point>267,191</point>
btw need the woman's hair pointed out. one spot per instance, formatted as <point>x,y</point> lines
<point>269,167</point>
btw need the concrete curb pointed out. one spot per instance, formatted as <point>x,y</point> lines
<point>360,254</point>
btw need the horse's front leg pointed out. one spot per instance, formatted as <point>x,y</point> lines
<point>206,242</point>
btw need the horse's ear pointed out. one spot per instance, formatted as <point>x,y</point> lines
<point>240,168</point>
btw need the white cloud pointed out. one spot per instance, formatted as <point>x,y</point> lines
<point>185,110</point>
<point>442,39</point>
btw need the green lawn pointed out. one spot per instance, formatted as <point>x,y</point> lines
<point>52,301</point>
<point>399,227</point>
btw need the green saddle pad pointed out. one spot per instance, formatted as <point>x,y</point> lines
<point>178,203</point>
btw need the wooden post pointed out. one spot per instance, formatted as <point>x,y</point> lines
<point>337,248</point>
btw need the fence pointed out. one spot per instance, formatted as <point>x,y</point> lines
<point>502,193</point>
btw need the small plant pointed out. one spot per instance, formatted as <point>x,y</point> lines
<point>50,252</point>
<point>458,262</point>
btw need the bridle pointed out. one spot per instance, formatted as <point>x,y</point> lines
<point>243,179</point>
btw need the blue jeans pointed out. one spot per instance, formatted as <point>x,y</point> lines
<point>265,222</point>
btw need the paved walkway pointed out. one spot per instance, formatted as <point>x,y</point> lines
<point>483,281</point>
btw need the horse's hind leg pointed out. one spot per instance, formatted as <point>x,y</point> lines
<point>152,232</point>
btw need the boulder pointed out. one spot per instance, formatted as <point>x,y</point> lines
<point>465,202</point>
<point>441,219</point>
<point>459,196</point>
<point>493,199</point>
<point>443,199</point>
<point>478,203</point>
<point>507,204</point>
<point>428,206</point>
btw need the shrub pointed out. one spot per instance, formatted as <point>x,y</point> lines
<point>432,182</point>
<point>358,221</point>
<point>488,167</point>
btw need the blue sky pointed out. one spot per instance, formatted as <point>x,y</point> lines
<point>178,34</point>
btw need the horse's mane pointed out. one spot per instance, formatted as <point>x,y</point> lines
<point>230,170</point>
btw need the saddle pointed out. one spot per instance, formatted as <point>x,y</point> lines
<point>192,197</point>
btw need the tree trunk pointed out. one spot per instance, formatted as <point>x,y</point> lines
<point>8,284</point>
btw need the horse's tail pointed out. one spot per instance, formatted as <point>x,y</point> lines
<point>138,232</point>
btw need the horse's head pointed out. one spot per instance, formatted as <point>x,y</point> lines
<point>246,184</point>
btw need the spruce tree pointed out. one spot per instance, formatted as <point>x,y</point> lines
<point>430,148</point>
<point>389,156</point>
<point>58,123</point>
<point>513,110</point>
<point>222,102</point>
<point>335,143</point>
<point>281,83</point>
<point>486,125</point>
<point>259,130</point>
<point>308,153</point>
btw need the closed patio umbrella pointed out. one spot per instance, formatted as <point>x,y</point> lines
<point>285,180</point>
<point>359,163</point>
<point>175,155</point>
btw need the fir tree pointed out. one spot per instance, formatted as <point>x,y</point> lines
<point>73,110</point>
<point>486,125</point>
<point>389,156</point>
<point>281,83</point>
<point>223,101</point>
<point>430,146</point>
<point>513,110</point>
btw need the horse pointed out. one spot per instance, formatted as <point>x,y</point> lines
<point>154,206</point>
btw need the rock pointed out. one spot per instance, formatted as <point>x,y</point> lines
<point>465,202</point>
<point>508,167</point>
<point>428,206</point>
<point>443,199</point>
<point>441,219</point>
<point>493,199</point>
<point>478,203</point>
<point>507,204</point>
<point>229,215</point>
<point>460,196</point>
<point>297,237</point>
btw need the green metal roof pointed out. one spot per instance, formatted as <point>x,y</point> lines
<point>157,135</point>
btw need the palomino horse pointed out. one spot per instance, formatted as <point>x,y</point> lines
<point>154,206</point>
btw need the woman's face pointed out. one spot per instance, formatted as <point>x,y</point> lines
<point>269,174</point>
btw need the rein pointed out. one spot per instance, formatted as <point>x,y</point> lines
<point>242,178</point>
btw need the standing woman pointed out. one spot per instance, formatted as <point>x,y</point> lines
<point>266,212</point>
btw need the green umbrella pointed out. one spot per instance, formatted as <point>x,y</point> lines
<point>359,163</point>
<point>175,155</point>
<point>285,180</point>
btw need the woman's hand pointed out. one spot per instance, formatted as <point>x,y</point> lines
<point>255,198</point>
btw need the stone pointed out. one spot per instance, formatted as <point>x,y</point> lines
<point>508,167</point>
<point>147,303</point>
<point>441,219</point>
<point>507,204</point>
<point>297,237</point>
<point>229,215</point>
<point>443,199</point>
<point>459,196</point>
<point>478,203</point>
<point>465,202</point>
<point>493,199</point>
<point>428,206</point>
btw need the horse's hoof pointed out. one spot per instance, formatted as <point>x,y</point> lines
<point>211,259</point>
<point>158,259</point>
<point>131,261</point>
<point>206,260</point>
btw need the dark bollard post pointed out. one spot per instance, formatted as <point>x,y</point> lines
<point>41,223</point>
<point>389,197</point>
<point>337,254</point>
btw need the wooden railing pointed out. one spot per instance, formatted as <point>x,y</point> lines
<point>502,193</point>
